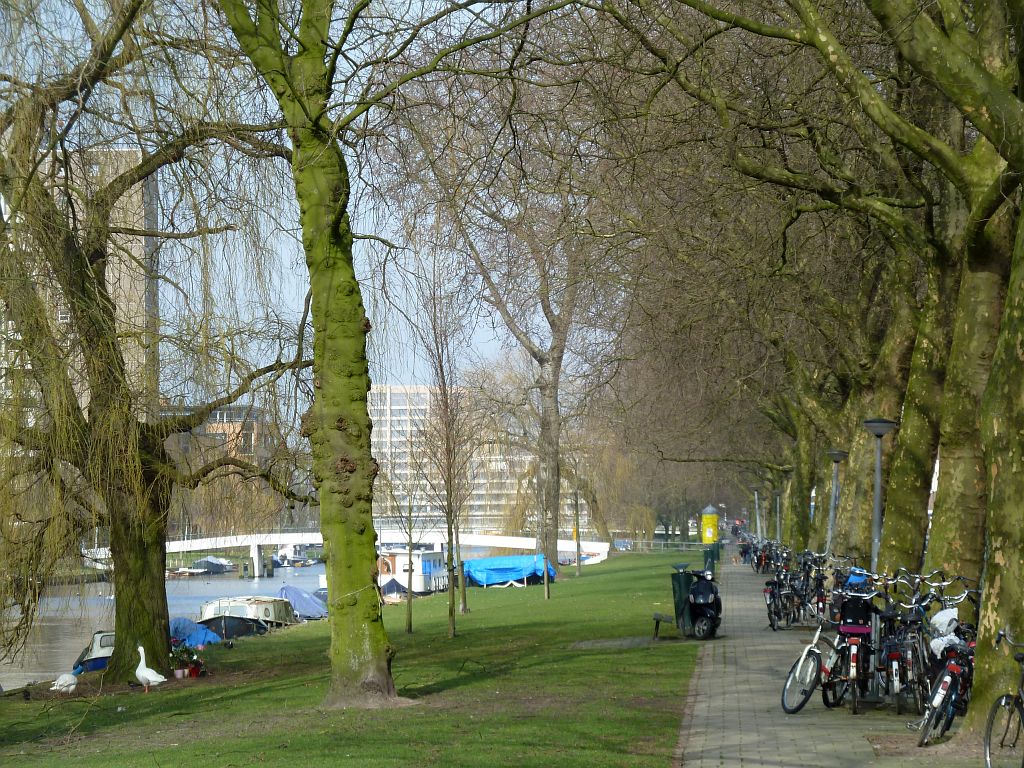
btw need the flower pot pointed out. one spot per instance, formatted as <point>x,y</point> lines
<point>193,671</point>
<point>179,673</point>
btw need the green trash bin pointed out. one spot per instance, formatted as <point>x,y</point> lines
<point>681,582</point>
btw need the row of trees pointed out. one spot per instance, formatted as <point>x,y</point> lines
<point>739,230</point>
<point>871,152</point>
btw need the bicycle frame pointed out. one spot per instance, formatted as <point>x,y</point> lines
<point>813,645</point>
<point>950,675</point>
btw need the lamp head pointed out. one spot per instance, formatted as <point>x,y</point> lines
<point>880,427</point>
<point>836,455</point>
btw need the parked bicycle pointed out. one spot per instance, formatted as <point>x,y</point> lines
<point>951,692</point>
<point>1004,729</point>
<point>806,672</point>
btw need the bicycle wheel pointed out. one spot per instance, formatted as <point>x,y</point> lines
<point>917,685</point>
<point>934,716</point>
<point>898,694</point>
<point>918,694</point>
<point>787,610</point>
<point>1004,745</point>
<point>803,678</point>
<point>947,719</point>
<point>855,689</point>
<point>854,695</point>
<point>773,617</point>
<point>833,682</point>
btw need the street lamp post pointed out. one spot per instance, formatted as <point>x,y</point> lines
<point>778,516</point>
<point>837,456</point>
<point>879,428</point>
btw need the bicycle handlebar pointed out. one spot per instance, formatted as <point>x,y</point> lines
<point>1004,633</point>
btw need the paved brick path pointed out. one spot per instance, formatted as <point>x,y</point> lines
<point>734,717</point>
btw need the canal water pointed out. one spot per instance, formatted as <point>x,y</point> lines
<point>69,615</point>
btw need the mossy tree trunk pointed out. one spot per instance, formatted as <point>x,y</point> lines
<point>338,423</point>
<point>1002,418</point>
<point>957,539</point>
<point>138,534</point>
<point>796,500</point>
<point>913,461</point>
<point>881,398</point>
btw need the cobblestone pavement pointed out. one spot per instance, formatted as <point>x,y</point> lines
<point>734,718</point>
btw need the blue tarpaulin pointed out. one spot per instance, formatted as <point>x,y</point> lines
<point>188,632</point>
<point>306,606</point>
<point>487,571</point>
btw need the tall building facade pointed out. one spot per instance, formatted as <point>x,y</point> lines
<point>502,492</point>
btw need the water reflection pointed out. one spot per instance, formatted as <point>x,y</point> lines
<point>69,615</point>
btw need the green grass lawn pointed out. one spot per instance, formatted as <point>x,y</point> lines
<point>527,682</point>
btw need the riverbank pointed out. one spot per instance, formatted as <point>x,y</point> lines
<point>70,613</point>
<point>574,680</point>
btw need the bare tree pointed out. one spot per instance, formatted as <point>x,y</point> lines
<point>448,434</point>
<point>405,499</point>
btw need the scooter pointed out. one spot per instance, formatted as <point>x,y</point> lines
<point>705,605</point>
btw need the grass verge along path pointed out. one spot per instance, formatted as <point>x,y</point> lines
<point>527,682</point>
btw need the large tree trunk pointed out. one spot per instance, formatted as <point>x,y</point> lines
<point>957,539</point>
<point>138,534</point>
<point>797,507</point>
<point>883,399</point>
<point>913,460</point>
<point>338,425</point>
<point>338,422</point>
<point>1002,418</point>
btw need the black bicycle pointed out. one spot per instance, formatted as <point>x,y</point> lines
<point>1004,730</point>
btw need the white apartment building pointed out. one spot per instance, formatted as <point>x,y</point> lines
<point>502,496</point>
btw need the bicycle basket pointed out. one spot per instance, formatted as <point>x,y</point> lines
<point>856,611</point>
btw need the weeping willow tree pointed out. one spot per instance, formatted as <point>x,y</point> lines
<point>119,180</point>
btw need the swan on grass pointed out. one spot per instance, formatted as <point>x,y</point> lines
<point>145,675</point>
<point>64,684</point>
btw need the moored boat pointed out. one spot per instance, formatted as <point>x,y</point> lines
<point>272,611</point>
<point>230,627</point>
<point>96,655</point>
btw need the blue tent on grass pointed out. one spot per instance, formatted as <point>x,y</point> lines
<point>188,632</point>
<point>491,571</point>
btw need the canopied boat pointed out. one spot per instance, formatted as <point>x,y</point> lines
<point>272,611</point>
<point>96,655</point>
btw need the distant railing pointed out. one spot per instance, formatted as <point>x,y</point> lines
<point>633,545</point>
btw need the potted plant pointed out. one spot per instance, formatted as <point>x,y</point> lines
<point>182,658</point>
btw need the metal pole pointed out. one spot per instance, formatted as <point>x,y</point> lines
<point>757,515</point>
<point>778,517</point>
<point>876,519</point>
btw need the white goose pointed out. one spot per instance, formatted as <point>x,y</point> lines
<point>64,684</point>
<point>145,675</point>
